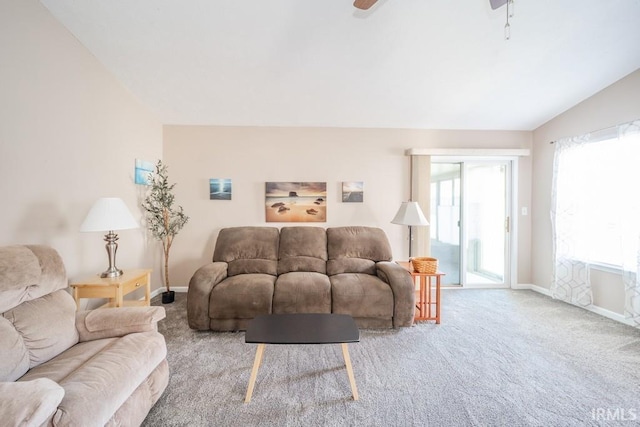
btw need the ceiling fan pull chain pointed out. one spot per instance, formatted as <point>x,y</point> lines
<point>507,27</point>
<point>510,7</point>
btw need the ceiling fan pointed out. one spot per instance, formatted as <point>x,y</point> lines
<point>497,3</point>
<point>366,4</point>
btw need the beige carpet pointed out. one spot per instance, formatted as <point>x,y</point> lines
<point>499,358</point>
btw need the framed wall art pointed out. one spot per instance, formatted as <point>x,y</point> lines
<point>142,170</point>
<point>296,201</point>
<point>219,189</point>
<point>352,191</point>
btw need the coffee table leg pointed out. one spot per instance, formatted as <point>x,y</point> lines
<point>347,362</point>
<point>254,372</point>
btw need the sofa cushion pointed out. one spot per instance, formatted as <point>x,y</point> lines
<point>252,266</point>
<point>302,263</point>
<point>68,361</point>
<point>14,357</point>
<point>27,273</point>
<point>361,295</point>
<point>242,297</point>
<point>302,249</point>
<point>29,403</point>
<point>302,292</point>
<point>47,325</point>
<point>351,265</point>
<point>358,242</point>
<point>356,249</point>
<point>19,267</point>
<point>99,376</point>
<point>248,250</point>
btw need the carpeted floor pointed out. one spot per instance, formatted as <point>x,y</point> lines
<point>499,358</point>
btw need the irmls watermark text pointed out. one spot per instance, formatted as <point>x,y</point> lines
<point>614,414</point>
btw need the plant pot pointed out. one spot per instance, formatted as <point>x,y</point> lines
<point>168,297</point>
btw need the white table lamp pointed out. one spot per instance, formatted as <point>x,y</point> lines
<point>109,214</point>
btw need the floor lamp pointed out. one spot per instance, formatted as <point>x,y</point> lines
<point>411,215</point>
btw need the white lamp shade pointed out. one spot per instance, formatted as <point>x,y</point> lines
<point>410,214</point>
<point>107,214</point>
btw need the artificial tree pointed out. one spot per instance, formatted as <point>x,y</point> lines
<point>163,219</point>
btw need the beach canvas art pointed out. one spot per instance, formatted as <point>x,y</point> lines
<point>296,201</point>
<point>142,170</point>
<point>352,191</point>
<point>219,189</point>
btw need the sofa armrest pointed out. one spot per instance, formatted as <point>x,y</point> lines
<point>403,288</point>
<point>200,287</point>
<point>117,322</point>
<point>29,403</point>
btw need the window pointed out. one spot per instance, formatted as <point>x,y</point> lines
<point>597,189</point>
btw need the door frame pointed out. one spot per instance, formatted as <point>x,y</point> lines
<point>511,196</point>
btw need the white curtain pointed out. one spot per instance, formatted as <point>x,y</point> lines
<point>571,281</point>
<point>630,219</point>
<point>596,213</point>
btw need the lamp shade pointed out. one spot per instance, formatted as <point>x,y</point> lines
<point>410,214</point>
<point>109,213</point>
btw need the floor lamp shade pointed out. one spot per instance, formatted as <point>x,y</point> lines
<point>411,215</point>
<point>109,214</point>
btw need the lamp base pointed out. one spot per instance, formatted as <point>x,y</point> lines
<point>112,246</point>
<point>111,272</point>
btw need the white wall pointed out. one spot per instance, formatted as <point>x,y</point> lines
<point>619,103</point>
<point>69,134</point>
<point>250,156</point>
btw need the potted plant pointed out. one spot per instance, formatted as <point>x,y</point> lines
<point>163,219</point>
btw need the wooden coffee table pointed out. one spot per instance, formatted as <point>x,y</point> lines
<point>313,328</point>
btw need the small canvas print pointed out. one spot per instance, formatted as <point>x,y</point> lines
<point>352,191</point>
<point>142,171</point>
<point>219,189</point>
<point>296,201</point>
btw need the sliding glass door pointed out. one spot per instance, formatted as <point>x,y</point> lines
<point>469,219</point>
<point>445,215</point>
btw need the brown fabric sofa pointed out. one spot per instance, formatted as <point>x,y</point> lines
<point>66,368</point>
<point>261,270</point>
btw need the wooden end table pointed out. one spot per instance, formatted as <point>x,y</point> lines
<point>427,304</point>
<point>302,328</point>
<point>115,288</point>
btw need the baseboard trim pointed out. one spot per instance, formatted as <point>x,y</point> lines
<point>592,308</point>
<point>611,315</point>
<point>179,289</point>
<point>532,287</point>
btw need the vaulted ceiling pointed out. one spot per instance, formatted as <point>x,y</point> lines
<point>432,64</point>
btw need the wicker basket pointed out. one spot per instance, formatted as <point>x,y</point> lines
<point>425,265</point>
